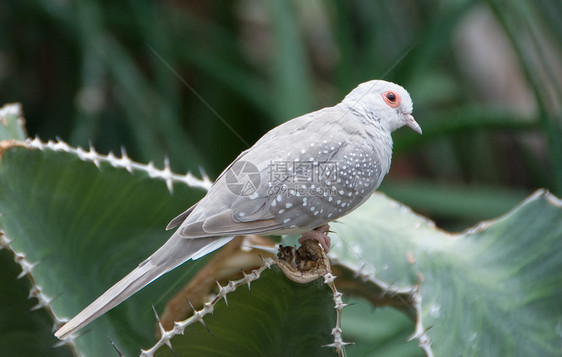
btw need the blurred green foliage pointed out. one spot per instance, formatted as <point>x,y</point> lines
<point>484,75</point>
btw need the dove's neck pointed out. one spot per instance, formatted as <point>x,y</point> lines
<point>376,135</point>
<point>380,141</point>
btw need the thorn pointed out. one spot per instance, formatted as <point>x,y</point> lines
<point>340,306</point>
<point>266,261</point>
<point>151,170</point>
<point>125,160</point>
<point>60,344</point>
<point>202,172</point>
<point>55,297</point>
<point>190,305</point>
<point>155,313</point>
<point>26,268</point>
<point>206,327</point>
<point>167,175</point>
<point>206,180</point>
<point>94,155</point>
<point>358,271</point>
<point>165,338</point>
<point>418,334</point>
<point>246,278</point>
<point>37,143</point>
<point>19,257</point>
<point>59,145</point>
<point>198,317</point>
<point>338,344</point>
<point>37,306</point>
<point>116,349</point>
<point>33,292</point>
<point>221,292</point>
<point>162,330</point>
<point>329,278</point>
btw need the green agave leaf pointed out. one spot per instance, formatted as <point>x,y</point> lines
<point>86,227</point>
<point>377,332</point>
<point>19,324</point>
<point>86,221</point>
<point>494,290</point>
<point>277,317</point>
<point>460,202</point>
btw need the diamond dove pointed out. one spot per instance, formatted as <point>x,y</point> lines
<point>296,179</point>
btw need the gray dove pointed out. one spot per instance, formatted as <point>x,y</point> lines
<point>296,179</point>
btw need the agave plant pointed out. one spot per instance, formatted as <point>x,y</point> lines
<point>76,221</point>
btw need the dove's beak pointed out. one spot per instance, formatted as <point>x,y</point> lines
<point>411,122</point>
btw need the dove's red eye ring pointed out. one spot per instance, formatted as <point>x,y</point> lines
<point>391,98</point>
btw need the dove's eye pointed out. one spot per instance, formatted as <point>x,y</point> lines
<point>391,98</point>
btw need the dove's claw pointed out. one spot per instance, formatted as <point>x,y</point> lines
<point>320,235</point>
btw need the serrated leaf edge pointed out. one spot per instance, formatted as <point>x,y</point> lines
<point>208,308</point>
<point>43,300</point>
<point>124,162</point>
<point>412,300</point>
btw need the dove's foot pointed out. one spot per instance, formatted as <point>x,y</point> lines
<point>319,234</point>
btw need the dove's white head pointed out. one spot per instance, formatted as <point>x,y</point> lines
<point>384,102</point>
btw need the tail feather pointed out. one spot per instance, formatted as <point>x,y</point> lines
<point>173,253</point>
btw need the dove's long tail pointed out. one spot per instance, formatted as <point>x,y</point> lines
<point>173,253</point>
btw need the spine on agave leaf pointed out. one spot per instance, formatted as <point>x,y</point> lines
<point>9,117</point>
<point>124,162</point>
<point>36,292</point>
<point>338,344</point>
